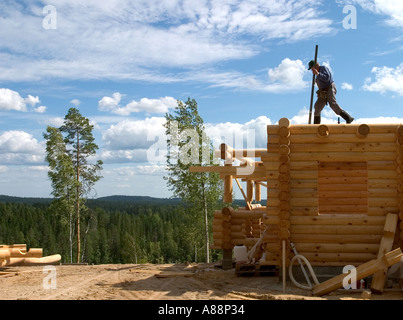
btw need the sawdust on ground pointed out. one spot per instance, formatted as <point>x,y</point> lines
<point>154,282</point>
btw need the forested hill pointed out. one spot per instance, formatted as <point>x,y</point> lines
<point>97,201</point>
<point>116,229</point>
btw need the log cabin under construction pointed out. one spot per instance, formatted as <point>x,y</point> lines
<point>334,194</point>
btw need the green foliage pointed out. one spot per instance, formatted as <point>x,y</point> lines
<point>71,175</point>
<point>188,146</point>
<point>118,232</point>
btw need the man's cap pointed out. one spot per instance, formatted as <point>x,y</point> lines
<point>311,64</point>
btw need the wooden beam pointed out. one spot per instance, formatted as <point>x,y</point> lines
<point>244,195</point>
<point>379,278</point>
<point>362,271</point>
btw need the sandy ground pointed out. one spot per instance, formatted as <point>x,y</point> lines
<point>153,282</point>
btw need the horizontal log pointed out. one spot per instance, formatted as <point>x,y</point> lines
<point>383,202</point>
<point>340,208</point>
<point>321,248</point>
<point>342,173</point>
<point>48,260</point>
<point>272,164</point>
<point>337,147</point>
<point>347,194</point>
<point>334,138</point>
<point>337,128</point>
<point>345,257</point>
<point>13,246</point>
<point>336,229</point>
<point>247,214</point>
<point>331,219</point>
<point>32,253</point>
<point>272,237</point>
<point>338,248</point>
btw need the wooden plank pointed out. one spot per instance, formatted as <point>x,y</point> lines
<point>174,274</point>
<point>379,278</point>
<point>362,271</point>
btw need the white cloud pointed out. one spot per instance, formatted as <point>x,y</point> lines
<point>384,120</point>
<point>347,86</point>
<point>250,135</point>
<point>54,122</point>
<point>19,147</point>
<point>11,100</point>
<point>140,170</point>
<point>32,100</point>
<point>41,109</point>
<point>151,36</point>
<point>161,105</point>
<point>287,76</point>
<point>132,141</point>
<point>128,136</point>
<point>393,9</point>
<point>111,104</point>
<point>75,102</point>
<point>386,80</point>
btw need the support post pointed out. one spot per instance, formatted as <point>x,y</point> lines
<point>313,86</point>
<point>227,259</point>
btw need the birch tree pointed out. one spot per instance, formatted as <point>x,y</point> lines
<point>188,145</point>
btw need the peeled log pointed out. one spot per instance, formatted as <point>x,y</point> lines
<point>4,254</point>
<point>53,259</point>
<point>363,271</point>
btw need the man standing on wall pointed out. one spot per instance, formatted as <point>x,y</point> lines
<point>326,93</point>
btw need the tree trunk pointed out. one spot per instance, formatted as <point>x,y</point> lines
<point>206,224</point>
<point>78,199</point>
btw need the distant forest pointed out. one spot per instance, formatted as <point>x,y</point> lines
<point>117,230</point>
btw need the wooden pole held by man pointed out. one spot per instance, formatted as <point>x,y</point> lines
<point>313,86</point>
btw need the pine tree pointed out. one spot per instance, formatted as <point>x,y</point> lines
<point>72,175</point>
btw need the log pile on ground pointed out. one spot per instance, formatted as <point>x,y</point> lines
<point>18,255</point>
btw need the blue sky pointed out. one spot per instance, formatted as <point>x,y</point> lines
<point>124,64</point>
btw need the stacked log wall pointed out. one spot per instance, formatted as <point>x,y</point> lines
<point>352,233</point>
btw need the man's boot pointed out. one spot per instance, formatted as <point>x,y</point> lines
<point>316,120</point>
<point>346,116</point>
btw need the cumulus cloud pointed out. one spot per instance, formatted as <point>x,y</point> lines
<point>386,80</point>
<point>249,135</point>
<point>12,100</point>
<point>111,104</point>
<point>19,147</point>
<point>287,76</point>
<point>145,140</point>
<point>130,141</point>
<point>32,100</point>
